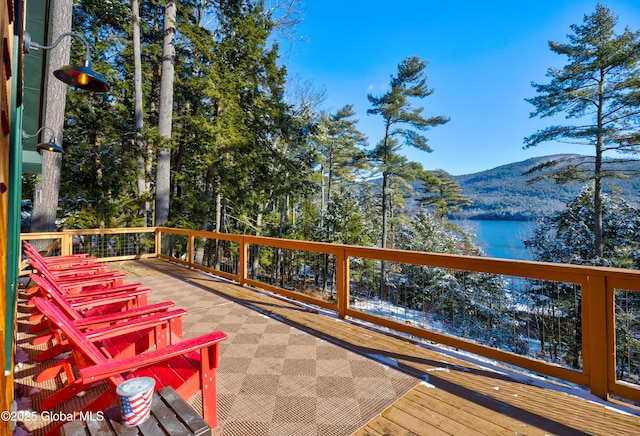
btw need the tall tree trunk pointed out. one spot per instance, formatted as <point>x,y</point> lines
<point>219,213</point>
<point>325,206</point>
<point>219,226</point>
<point>209,194</point>
<point>597,208</point>
<point>144,165</point>
<point>383,243</point>
<point>597,173</point>
<point>45,202</point>
<point>165,114</point>
<point>255,248</point>
<point>385,210</point>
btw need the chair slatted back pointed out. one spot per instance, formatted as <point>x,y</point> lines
<point>55,295</point>
<point>90,353</point>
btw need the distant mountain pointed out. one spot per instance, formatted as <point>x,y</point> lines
<point>504,192</point>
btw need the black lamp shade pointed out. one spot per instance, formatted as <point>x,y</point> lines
<point>50,146</point>
<point>82,77</point>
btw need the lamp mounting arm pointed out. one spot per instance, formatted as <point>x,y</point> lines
<point>30,45</point>
<point>25,135</point>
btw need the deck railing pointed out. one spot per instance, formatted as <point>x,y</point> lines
<point>574,323</point>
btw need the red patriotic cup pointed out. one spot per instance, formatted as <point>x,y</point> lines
<point>135,400</point>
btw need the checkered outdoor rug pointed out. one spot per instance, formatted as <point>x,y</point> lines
<point>273,378</point>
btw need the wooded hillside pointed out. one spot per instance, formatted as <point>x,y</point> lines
<point>505,193</point>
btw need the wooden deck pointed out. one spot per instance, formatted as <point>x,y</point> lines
<point>459,394</point>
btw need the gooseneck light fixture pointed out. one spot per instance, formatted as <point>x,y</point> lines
<point>79,76</point>
<point>48,146</point>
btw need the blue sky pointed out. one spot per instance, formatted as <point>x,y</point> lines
<point>482,58</point>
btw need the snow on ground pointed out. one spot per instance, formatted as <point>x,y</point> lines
<point>403,315</point>
<point>388,310</point>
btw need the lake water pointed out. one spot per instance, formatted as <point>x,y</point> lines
<point>501,238</point>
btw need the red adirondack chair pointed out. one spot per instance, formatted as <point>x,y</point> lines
<point>68,271</point>
<point>71,274</point>
<point>92,300</point>
<point>125,339</point>
<point>91,286</point>
<point>54,261</point>
<point>107,340</point>
<point>132,343</point>
<point>188,366</point>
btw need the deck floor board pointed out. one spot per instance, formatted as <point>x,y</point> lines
<point>480,419</point>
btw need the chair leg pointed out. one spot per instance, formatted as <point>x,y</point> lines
<point>176,330</point>
<point>32,290</point>
<point>42,339</point>
<point>36,317</point>
<point>40,326</point>
<point>50,372</point>
<point>208,364</point>
<point>52,352</point>
<point>62,395</point>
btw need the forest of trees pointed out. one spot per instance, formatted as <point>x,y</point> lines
<point>249,150</point>
<point>246,148</point>
<point>203,129</point>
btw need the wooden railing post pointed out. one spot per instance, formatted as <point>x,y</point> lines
<point>66,244</point>
<point>191,252</point>
<point>242,268</point>
<point>158,241</point>
<point>342,283</point>
<point>600,334</point>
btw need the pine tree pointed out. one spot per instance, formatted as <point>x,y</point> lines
<point>144,158</point>
<point>566,237</point>
<point>442,193</point>
<point>600,88</point>
<point>342,157</point>
<point>346,220</point>
<point>402,126</point>
<point>99,165</point>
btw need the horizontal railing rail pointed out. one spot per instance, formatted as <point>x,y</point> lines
<point>575,323</point>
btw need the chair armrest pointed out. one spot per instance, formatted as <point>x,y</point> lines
<point>68,256</point>
<point>105,292</point>
<point>89,285</point>
<point>60,261</point>
<point>78,271</point>
<point>105,300</point>
<point>101,277</point>
<point>127,287</point>
<point>111,317</point>
<point>116,367</point>
<point>134,325</point>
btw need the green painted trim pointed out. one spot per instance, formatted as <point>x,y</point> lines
<point>13,218</point>
<point>36,14</point>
